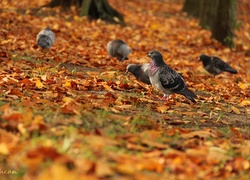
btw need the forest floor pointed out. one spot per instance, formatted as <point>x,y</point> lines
<point>73,113</point>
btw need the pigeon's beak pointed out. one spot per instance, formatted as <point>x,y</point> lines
<point>148,55</point>
<point>199,58</point>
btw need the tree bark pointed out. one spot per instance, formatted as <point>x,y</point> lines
<point>208,13</point>
<point>191,7</point>
<point>65,3</point>
<point>217,15</point>
<point>225,21</point>
<point>94,9</point>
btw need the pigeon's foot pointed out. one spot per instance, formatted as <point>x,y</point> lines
<point>166,97</point>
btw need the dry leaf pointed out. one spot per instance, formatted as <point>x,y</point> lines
<point>235,109</point>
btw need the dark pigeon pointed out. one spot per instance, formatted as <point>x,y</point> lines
<point>119,49</point>
<point>45,38</point>
<point>215,65</point>
<point>140,72</point>
<point>166,79</point>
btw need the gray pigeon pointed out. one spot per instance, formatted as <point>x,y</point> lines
<point>45,38</point>
<point>140,72</point>
<point>215,65</point>
<point>119,49</point>
<point>166,79</point>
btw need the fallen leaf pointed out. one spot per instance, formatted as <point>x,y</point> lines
<point>4,150</point>
<point>201,134</point>
<point>39,84</point>
<point>58,171</point>
<point>122,107</point>
<point>235,109</point>
<point>245,103</point>
<point>162,109</point>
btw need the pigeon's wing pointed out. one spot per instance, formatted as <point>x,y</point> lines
<point>40,34</point>
<point>174,82</point>
<point>218,63</point>
<point>123,50</point>
<point>45,38</point>
<point>144,74</point>
<point>171,80</point>
<point>44,41</point>
<point>52,36</point>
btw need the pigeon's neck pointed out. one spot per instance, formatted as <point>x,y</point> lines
<point>158,61</point>
<point>153,67</point>
<point>206,61</point>
<point>136,70</point>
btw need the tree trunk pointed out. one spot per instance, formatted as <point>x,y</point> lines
<point>191,7</point>
<point>94,9</point>
<point>224,25</point>
<point>217,15</point>
<point>207,13</point>
<point>65,3</point>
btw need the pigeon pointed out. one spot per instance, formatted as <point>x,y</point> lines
<point>119,49</point>
<point>45,38</point>
<point>215,65</point>
<point>166,79</point>
<point>140,72</point>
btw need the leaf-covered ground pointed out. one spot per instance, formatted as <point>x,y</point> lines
<point>73,113</point>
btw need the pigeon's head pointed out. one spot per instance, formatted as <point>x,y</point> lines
<point>204,58</point>
<point>156,57</point>
<point>48,28</point>
<point>132,68</point>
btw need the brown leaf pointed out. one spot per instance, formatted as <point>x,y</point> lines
<point>201,134</point>
<point>16,92</point>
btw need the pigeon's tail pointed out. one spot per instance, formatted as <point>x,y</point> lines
<point>189,95</point>
<point>231,70</point>
<point>44,41</point>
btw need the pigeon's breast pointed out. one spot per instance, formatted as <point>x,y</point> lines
<point>155,81</point>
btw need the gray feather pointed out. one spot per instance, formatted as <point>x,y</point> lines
<point>166,79</point>
<point>119,49</point>
<point>45,38</point>
<point>140,72</point>
<point>215,65</point>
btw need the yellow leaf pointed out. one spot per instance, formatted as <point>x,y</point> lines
<point>245,103</point>
<point>236,110</point>
<point>67,99</point>
<point>38,119</point>
<point>108,88</point>
<point>21,128</point>
<point>108,74</point>
<point>103,169</point>
<point>44,77</point>
<point>6,41</point>
<point>39,84</point>
<point>67,84</point>
<point>244,86</point>
<point>154,26</point>
<point>121,107</point>
<point>4,149</point>
<point>58,171</point>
